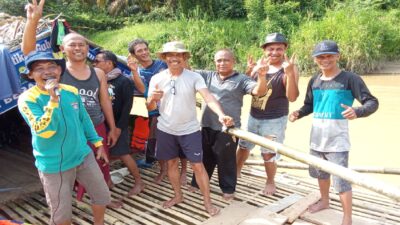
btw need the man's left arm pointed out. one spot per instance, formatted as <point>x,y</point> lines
<point>106,107</point>
<point>360,91</point>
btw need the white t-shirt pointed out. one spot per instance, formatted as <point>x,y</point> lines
<point>178,111</point>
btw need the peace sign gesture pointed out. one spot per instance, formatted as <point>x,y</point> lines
<point>34,10</point>
<point>288,64</point>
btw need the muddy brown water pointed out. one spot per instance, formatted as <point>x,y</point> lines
<point>374,139</point>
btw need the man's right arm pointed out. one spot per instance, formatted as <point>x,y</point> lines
<point>33,14</point>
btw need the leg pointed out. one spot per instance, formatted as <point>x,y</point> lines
<point>346,200</point>
<point>241,157</point>
<point>163,171</point>
<point>133,169</point>
<point>174,179</point>
<point>204,185</point>
<point>323,203</point>
<point>183,179</point>
<point>270,169</point>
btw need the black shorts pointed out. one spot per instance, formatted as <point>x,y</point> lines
<point>122,146</point>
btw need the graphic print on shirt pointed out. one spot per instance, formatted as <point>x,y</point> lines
<point>111,92</point>
<point>88,97</point>
<point>260,102</point>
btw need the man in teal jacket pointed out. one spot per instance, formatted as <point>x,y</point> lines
<point>60,128</point>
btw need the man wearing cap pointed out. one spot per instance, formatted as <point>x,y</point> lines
<point>90,82</point>
<point>228,87</point>
<point>268,113</point>
<point>174,91</point>
<point>60,128</point>
<point>330,96</point>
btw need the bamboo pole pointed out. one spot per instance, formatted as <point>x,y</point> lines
<point>299,166</point>
<point>334,169</point>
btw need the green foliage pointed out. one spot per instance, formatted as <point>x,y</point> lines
<point>13,7</point>
<point>255,10</point>
<point>283,18</point>
<point>365,37</point>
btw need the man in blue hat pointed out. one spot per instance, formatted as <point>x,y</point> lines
<point>268,113</point>
<point>330,96</point>
<point>60,128</point>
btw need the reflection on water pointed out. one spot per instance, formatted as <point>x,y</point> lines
<point>374,139</point>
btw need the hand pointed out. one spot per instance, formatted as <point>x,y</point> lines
<point>101,155</point>
<point>294,116</point>
<point>288,64</point>
<point>250,64</point>
<point>262,67</point>
<point>34,11</point>
<point>132,63</point>
<point>348,113</point>
<point>157,94</point>
<point>112,136</point>
<point>226,120</point>
<point>51,86</point>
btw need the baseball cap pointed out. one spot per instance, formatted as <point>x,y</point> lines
<point>326,47</point>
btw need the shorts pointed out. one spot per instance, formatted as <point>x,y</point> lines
<point>169,146</point>
<point>265,128</point>
<point>339,158</point>
<point>122,146</point>
<point>58,188</point>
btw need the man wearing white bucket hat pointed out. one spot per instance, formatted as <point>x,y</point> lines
<point>174,91</point>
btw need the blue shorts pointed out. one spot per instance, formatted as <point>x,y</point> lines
<point>340,158</point>
<point>170,146</point>
<point>266,128</point>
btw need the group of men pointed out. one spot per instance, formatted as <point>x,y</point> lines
<point>72,101</point>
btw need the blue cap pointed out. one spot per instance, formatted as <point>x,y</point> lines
<point>326,47</point>
<point>41,56</point>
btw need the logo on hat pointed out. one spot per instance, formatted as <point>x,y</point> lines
<point>326,47</point>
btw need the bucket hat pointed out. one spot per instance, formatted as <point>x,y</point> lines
<point>40,56</point>
<point>326,47</point>
<point>173,46</point>
<point>274,38</point>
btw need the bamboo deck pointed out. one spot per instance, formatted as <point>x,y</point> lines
<point>146,207</point>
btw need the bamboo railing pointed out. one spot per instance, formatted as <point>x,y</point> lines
<point>353,177</point>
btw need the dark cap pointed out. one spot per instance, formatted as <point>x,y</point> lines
<point>325,47</point>
<point>274,38</point>
<point>41,56</point>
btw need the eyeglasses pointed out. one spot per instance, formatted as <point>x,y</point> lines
<point>173,89</point>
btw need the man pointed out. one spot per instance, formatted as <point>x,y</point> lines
<point>330,96</point>
<point>268,114</point>
<point>120,89</point>
<point>174,90</point>
<point>228,87</point>
<point>139,51</point>
<point>60,128</point>
<point>91,83</point>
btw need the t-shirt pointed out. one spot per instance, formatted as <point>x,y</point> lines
<point>229,93</point>
<point>178,105</point>
<point>324,98</point>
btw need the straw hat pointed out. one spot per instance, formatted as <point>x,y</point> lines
<point>175,47</point>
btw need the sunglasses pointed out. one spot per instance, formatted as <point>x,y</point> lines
<point>173,89</point>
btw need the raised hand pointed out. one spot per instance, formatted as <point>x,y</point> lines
<point>34,10</point>
<point>262,67</point>
<point>250,64</point>
<point>349,112</point>
<point>157,94</point>
<point>288,64</point>
<point>132,63</point>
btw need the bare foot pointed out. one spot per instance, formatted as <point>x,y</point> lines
<point>346,221</point>
<point>192,189</point>
<point>137,189</point>
<point>212,210</point>
<point>158,179</point>
<point>183,180</point>
<point>115,204</point>
<point>228,197</point>
<point>173,201</point>
<point>239,175</point>
<point>318,206</point>
<point>270,189</point>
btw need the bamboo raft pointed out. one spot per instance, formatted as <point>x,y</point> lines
<point>146,209</point>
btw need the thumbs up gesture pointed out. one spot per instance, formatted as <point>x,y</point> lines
<point>348,113</point>
<point>157,94</point>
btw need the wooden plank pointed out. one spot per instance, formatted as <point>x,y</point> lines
<point>330,216</point>
<point>237,211</point>
<point>263,217</point>
<point>302,222</point>
<point>294,211</point>
<point>283,203</point>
